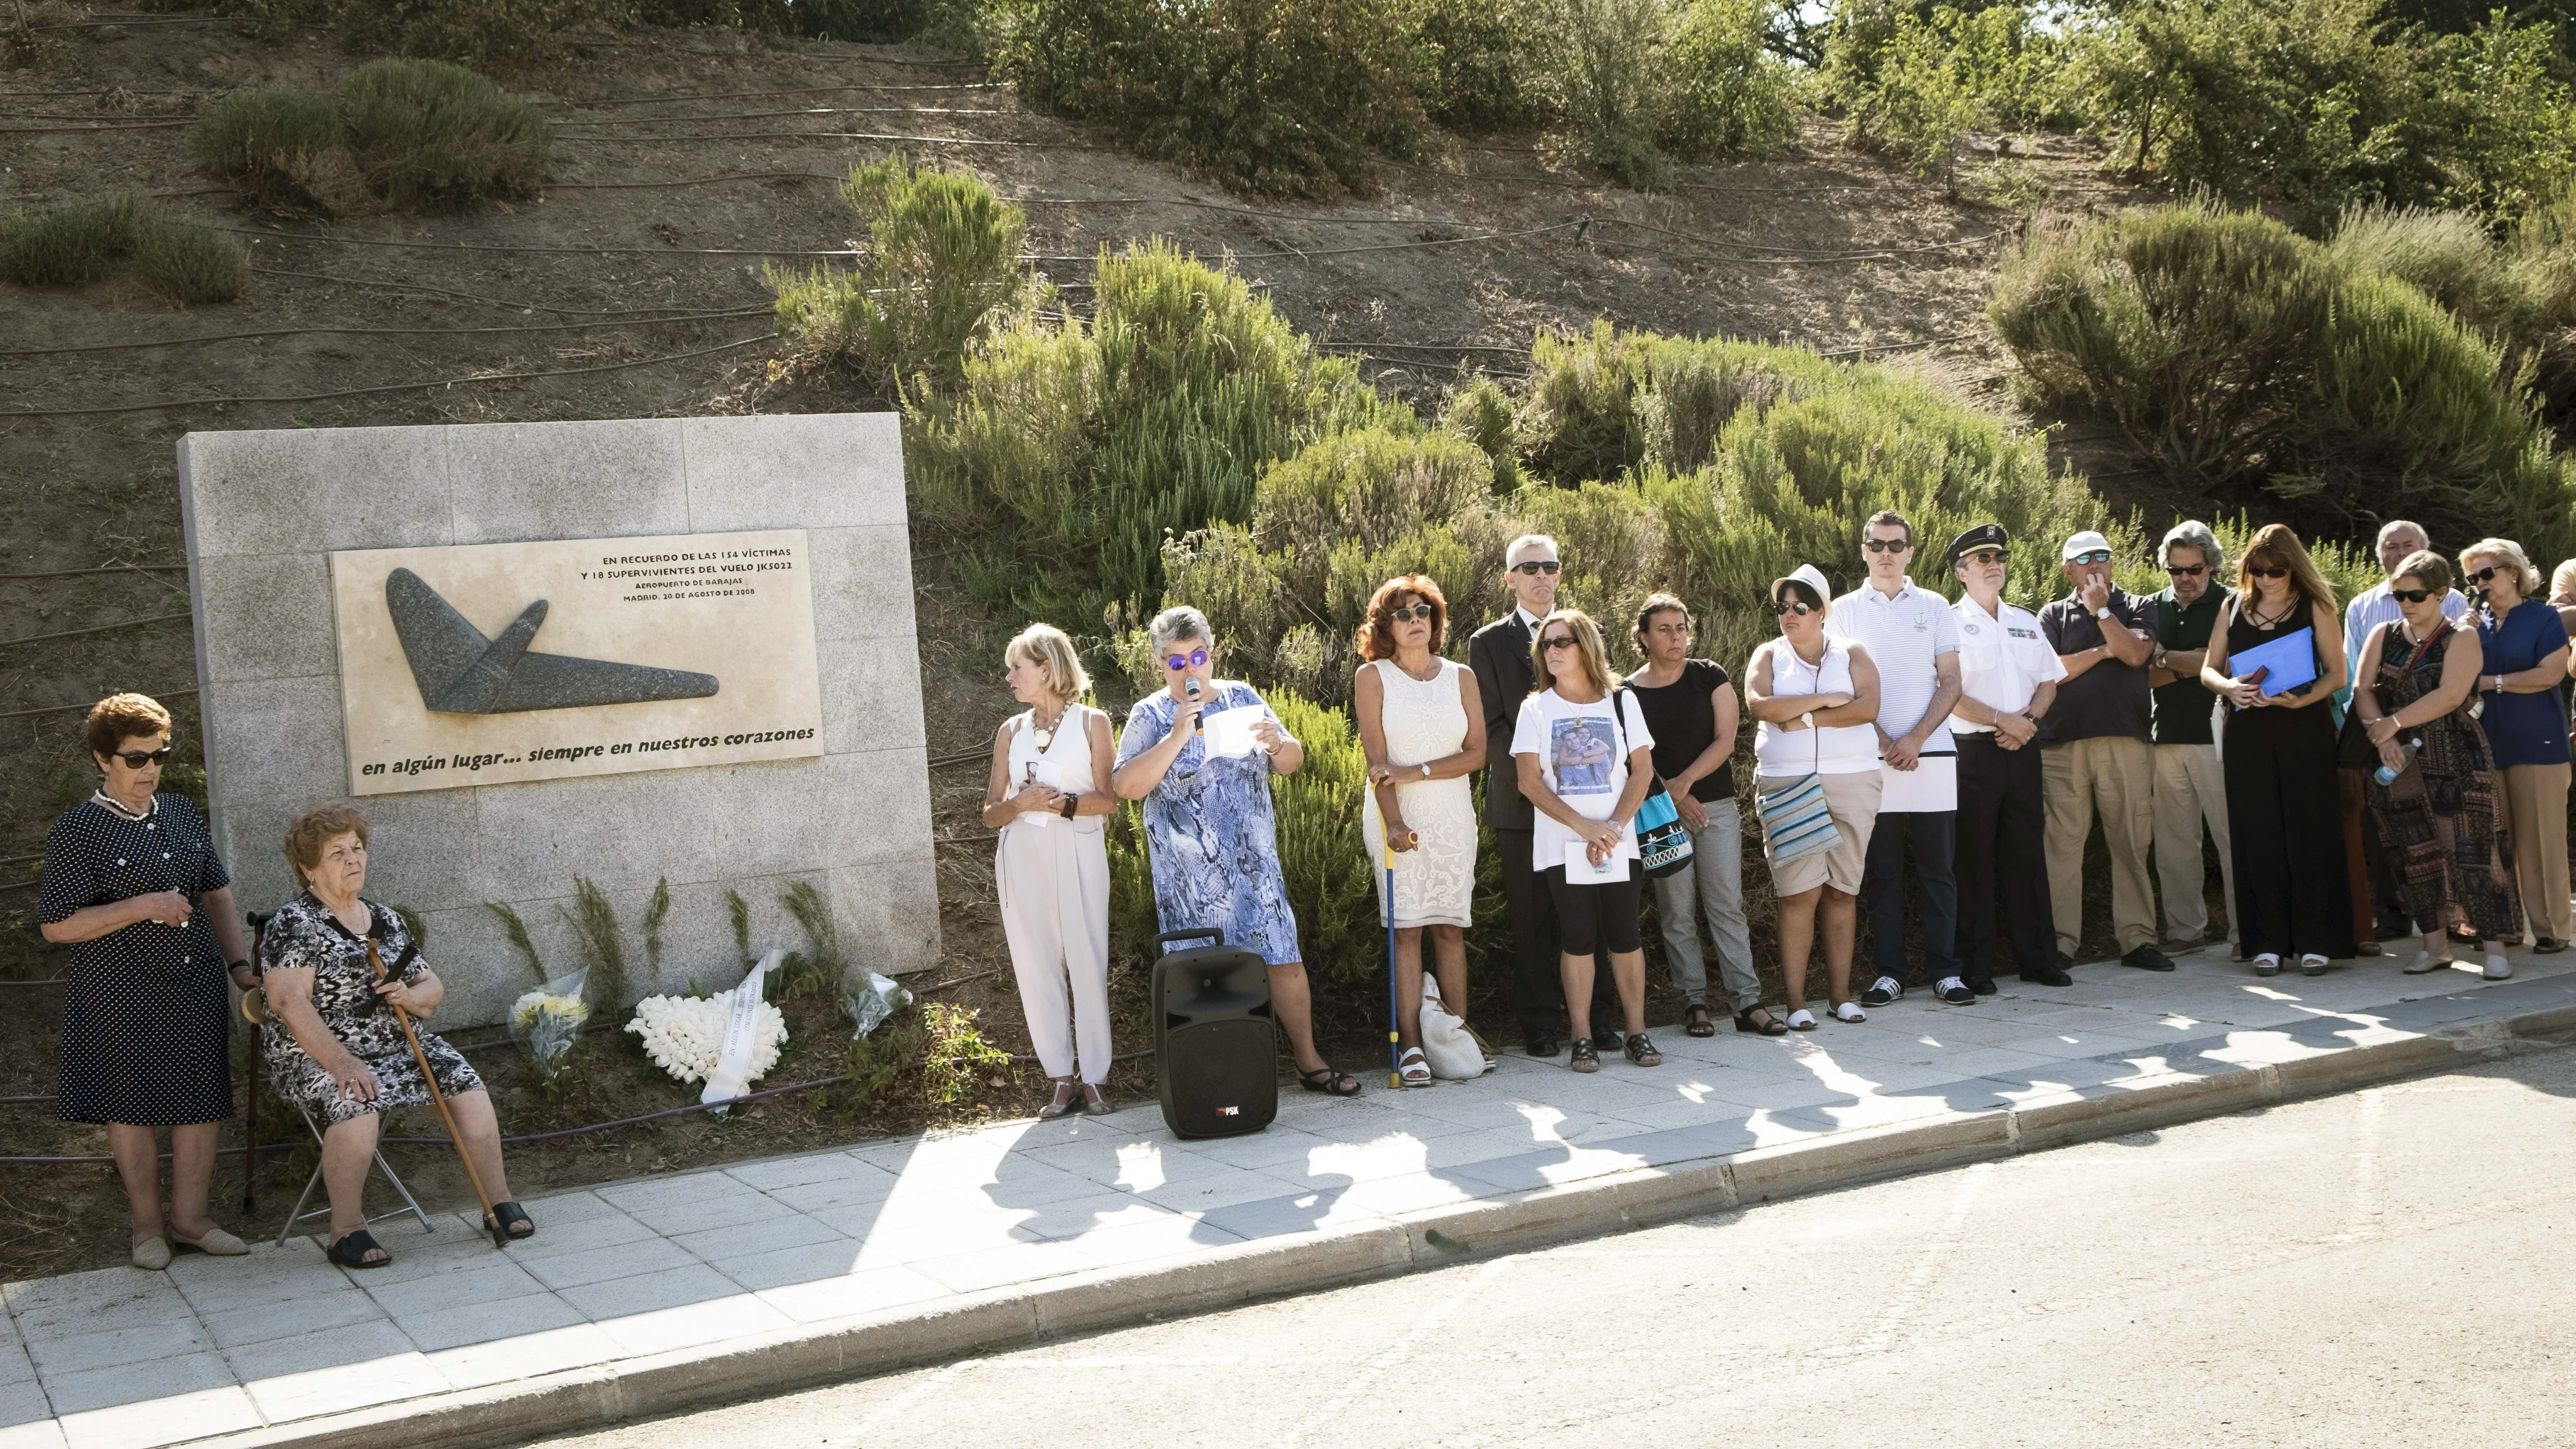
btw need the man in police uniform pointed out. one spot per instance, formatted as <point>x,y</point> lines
<point>2008,677</point>
<point>1913,638</point>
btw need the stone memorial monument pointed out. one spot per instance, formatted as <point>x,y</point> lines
<point>636,651</point>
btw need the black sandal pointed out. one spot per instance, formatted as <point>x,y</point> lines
<point>1587,1057</point>
<point>352,1251</point>
<point>1641,1052</point>
<point>514,1220</point>
<point>1695,1022</point>
<point>1769,1025</point>
<point>1329,1082</point>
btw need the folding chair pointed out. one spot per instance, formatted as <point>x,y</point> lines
<point>255,1008</point>
<point>299,1214</point>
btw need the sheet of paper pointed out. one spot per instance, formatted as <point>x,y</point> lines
<point>1579,869</point>
<point>1230,734</point>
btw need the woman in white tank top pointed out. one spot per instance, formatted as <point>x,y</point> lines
<point>1816,698</point>
<point>1047,796</point>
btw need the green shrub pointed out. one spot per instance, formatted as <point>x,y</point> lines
<point>1727,94</point>
<point>1273,97</point>
<point>1600,404</point>
<point>959,1059</point>
<point>940,268</point>
<point>497,36</point>
<point>603,944</point>
<point>2543,260</point>
<point>1072,448</point>
<point>2250,362</point>
<point>393,135</point>
<point>2312,105</point>
<point>1322,855</point>
<point>1473,58</point>
<point>1914,82</point>
<point>67,246</point>
<point>1604,66</point>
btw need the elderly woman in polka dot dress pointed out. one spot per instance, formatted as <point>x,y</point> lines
<point>332,1043</point>
<point>132,885</point>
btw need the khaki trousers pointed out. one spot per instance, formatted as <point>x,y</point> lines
<point>2116,776</point>
<point>2190,792</point>
<point>2535,804</point>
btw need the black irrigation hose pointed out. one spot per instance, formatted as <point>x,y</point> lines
<point>340,331</point>
<point>434,383</point>
<point>728,95</point>
<point>833,176</point>
<point>90,628</point>
<point>773,115</point>
<point>463,296</point>
<point>79,709</point>
<point>1454,241</point>
<point>119,568</point>
<point>850,136</point>
<point>82,130</point>
<point>441,246</point>
<point>1782,251</point>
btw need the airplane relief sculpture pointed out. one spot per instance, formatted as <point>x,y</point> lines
<point>460,670</point>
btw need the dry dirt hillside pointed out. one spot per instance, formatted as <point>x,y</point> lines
<point>631,287</point>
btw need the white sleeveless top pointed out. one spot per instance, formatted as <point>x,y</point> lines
<point>1830,749</point>
<point>1065,763</point>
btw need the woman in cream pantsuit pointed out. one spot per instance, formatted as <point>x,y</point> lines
<point>1048,792</point>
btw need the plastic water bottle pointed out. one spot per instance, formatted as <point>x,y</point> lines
<point>2387,775</point>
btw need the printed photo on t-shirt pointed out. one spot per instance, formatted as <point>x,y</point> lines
<point>1583,754</point>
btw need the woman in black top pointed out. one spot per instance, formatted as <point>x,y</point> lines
<point>1691,709</point>
<point>133,886</point>
<point>2278,755</point>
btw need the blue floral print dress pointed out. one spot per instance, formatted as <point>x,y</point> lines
<point>1210,832</point>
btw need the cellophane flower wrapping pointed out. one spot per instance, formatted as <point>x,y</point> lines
<point>870,998</point>
<point>684,1034</point>
<point>546,1022</point>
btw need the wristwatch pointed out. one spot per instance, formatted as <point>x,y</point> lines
<point>1426,769</point>
<point>2103,612</point>
<point>1070,800</point>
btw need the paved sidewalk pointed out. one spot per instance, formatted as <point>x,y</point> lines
<point>645,1295</point>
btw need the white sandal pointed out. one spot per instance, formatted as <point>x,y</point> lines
<point>1412,1069</point>
<point>2425,962</point>
<point>1802,1020</point>
<point>2498,968</point>
<point>2267,964</point>
<point>2313,964</point>
<point>1850,1011</point>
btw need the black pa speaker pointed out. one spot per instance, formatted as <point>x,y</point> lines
<point>1214,1050</point>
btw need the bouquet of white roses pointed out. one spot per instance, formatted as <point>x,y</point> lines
<point>685,1034</point>
<point>546,1022</point>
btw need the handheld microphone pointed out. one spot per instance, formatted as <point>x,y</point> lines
<point>1199,724</point>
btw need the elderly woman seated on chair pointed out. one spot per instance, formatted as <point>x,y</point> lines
<point>332,1044</point>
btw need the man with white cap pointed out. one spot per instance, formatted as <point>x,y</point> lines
<point>1913,637</point>
<point>2008,678</point>
<point>2096,752</point>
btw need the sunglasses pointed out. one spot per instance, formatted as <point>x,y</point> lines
<point>1190,660</point>
<point>2186,571</point>
<point>1799,607</point>
<point>2487,574</point>
<point>139,759</point>
<point>1985,556</point>
<point>2410,596</point>
<point>1561,641</point>
<point>2099,555</point>
<point>1887,545</point>
<point>1410,612</point>
<point>2262,573</point>
<point>1537,566</point>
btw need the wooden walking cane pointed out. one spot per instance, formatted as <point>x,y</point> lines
<point>491,1220</point>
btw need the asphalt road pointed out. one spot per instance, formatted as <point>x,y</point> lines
<point>2395,1266</point>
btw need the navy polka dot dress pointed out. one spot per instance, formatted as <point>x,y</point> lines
<point>147,1015</point>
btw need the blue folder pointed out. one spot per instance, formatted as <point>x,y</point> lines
<point>2292,658</point>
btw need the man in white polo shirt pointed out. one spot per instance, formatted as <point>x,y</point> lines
<point>2008,677</point>
<point>1914,639</point>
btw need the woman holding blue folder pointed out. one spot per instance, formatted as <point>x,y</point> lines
<point>2275,654</point>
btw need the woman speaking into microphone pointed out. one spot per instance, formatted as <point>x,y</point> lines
<point>1200,752</point>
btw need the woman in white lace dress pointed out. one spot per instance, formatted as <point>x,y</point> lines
<point>1423,729</point>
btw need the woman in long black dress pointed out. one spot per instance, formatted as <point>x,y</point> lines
<point>2441,819</point>
<point>2278,756</point>
<point>132,885</point>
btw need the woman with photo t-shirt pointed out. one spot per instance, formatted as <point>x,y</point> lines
<point>1584,766</point>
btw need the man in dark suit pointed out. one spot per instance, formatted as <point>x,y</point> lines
<point>1500,655</point>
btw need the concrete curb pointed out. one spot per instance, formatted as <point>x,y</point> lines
<point>595,1397</point>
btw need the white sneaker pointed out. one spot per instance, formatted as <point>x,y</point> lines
<point>2498,968</point>
<point>1885,991</point>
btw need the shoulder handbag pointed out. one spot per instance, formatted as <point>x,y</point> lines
<point>2353,749</point>
<point>1662,844</point>
<point>1796,821</point>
